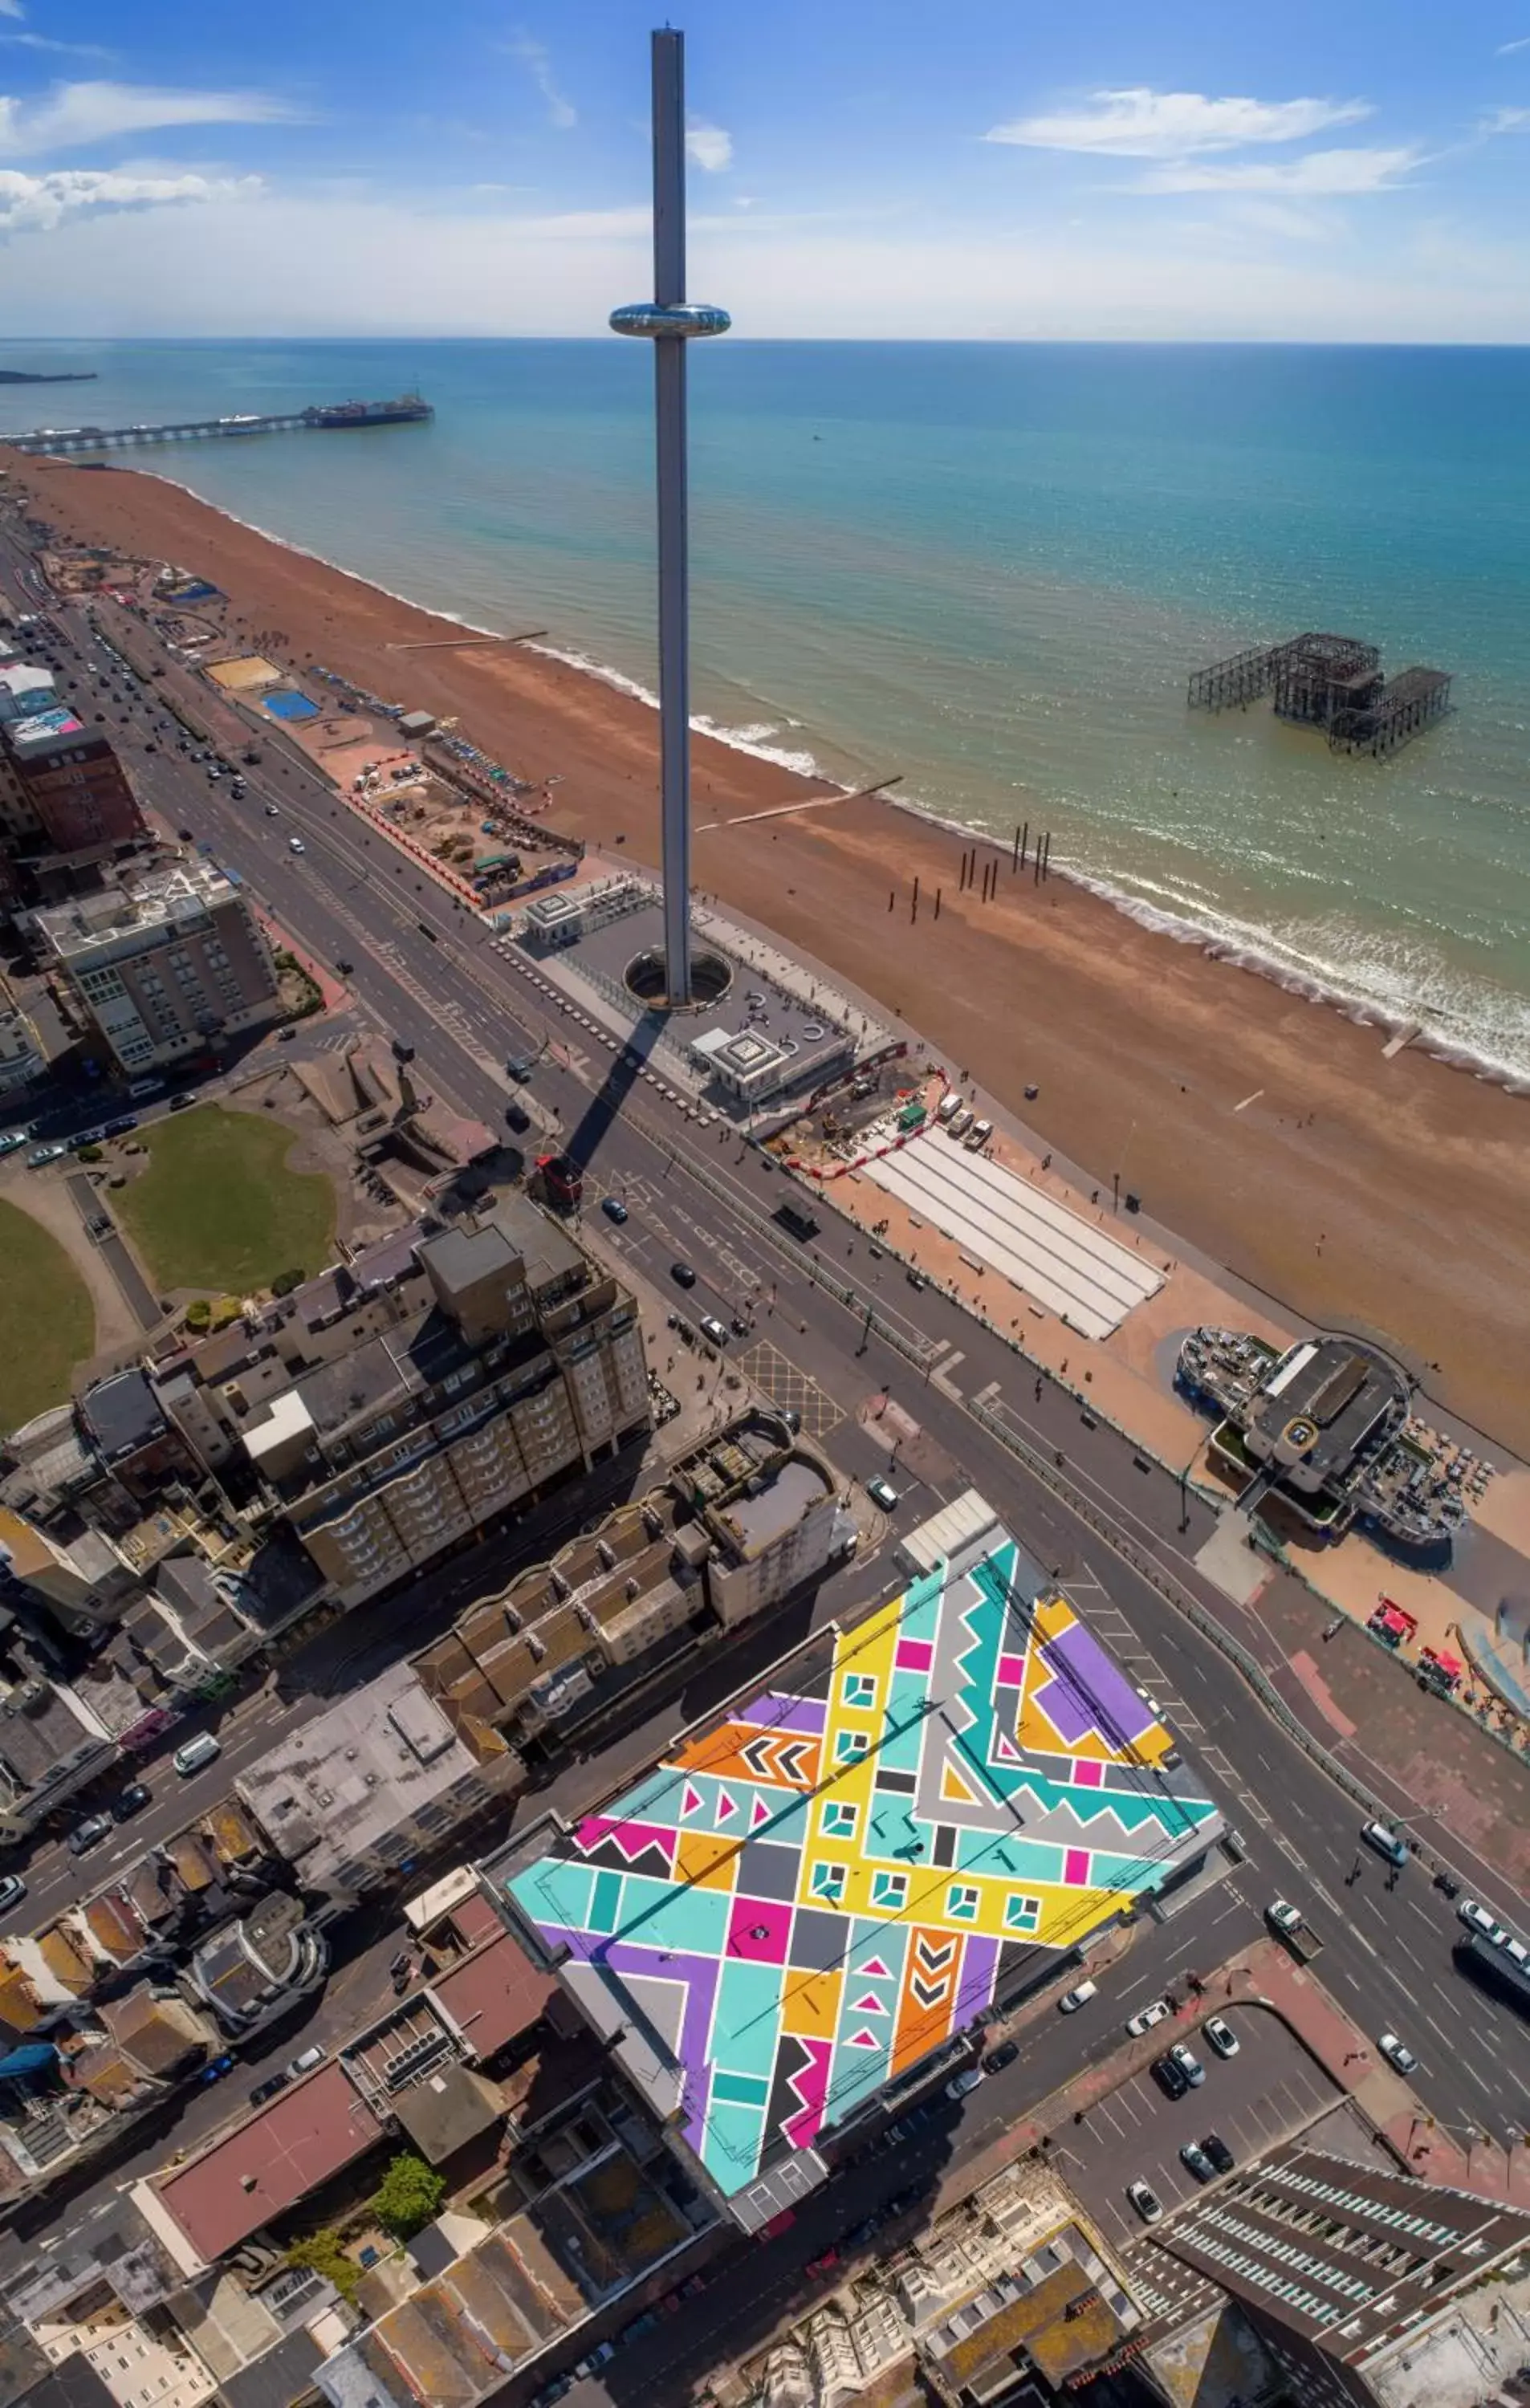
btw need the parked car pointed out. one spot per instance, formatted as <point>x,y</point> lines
<point>613,1208</point>
<point>42,1154</point>
<point>1170,2077</point>
<point>1189,2064</point>
<point>12,1891</point>
<point>1145,2200</point>
<point>683,1275</point>
<point>305,2061</point>
<point>960,2084</point>
<point>1196,2161</point>
<point>881,1492</point>
<point>713,1330</point>
<point>268,2088</point>
<point>1220,2036</point>
<point>273,811</point>
<point>1477,1919</point>
<point>1079,1995</point>
<point>997,2058</point>
<point>1146,2017</point>
<point>518,1118</point>
<point>823,2264</point>
<point>203,1749</point>
<point>12,1139</point>
<point>217,2069</point>
<point>1219,2153</point>
<point>181,1103</point>
<point>130,1802</point>
<point>1384,1840</point>
<point>1400,2058</point>
<point>89,1834</point>
<point>120,1126</point>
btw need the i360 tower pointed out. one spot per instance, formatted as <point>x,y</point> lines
<point>669,321</point>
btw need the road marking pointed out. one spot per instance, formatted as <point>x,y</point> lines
<point>1438,2034</point>
<point>786,1384</point>
<point>942,1378</point>
<point>1250,1805</point>
<point>1248,1100</point>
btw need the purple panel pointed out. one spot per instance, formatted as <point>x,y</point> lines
<point>776,1711</point>
<point>1086,1692</point>
<point>980,1966</point>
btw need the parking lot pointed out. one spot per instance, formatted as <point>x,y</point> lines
<point>1268,2091</point>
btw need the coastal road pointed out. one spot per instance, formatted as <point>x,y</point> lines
<point>1388,1954</point>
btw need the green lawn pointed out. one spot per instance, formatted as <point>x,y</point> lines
<point>217,1208</point>
<point>46,1319</point>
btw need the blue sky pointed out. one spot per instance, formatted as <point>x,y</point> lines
<point>865,167</point>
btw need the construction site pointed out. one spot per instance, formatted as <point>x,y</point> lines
<point>1332,682</point>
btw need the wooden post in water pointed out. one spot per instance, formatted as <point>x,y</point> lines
<point>1014,857</point>
<point>938,892</point>
<point>1046,863</point>
<point>913,908</point>
<point>1024,843</point>
<point>892,896</point>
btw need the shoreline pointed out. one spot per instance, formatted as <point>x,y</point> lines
<point>1382,1196</point>
<point>1290,973</point>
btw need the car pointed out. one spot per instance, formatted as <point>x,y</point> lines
<point>12,1891</point>
<point>1400,2057</point>
<point>997,2058</point>
<point>346,968</point>
<point>1220,2036</point>
<point>181,1103</point>
<point>130,1802</point>
<point>1189,2064</point>
<point>713,1330</point>
<point>267,2089</point>
<point>521,1066</point>
<point>1170,2076</point>
<point>960,2084</point>
<point>273,811</point>
<point>295,844</point>
<point>120,1126</point>
<point>518,1118</point>
<point>1384,1840</point>
<point>823,2264</point>
<point>881,1492</point>
<point>286,1036</point>
<point>1145,2017</point>
<point>613,1209</point>
<point>1196,2161</point>
<point>1145,2200</point>
<point>219,2068</point>
<point>86,1136</point>
<point>959,1124</point>
<point>683,1275</point>
<point>1079,1995</point>
<point>1282,1915</point>
<point>1477,1919</point>
<point>213,776</point>
<point>1516,1951</point>
<point>305,2061</point>
<point>42,1154</point>
<point>14,1138</point>
<point>600,2356</point>
<point>237,789</point>
<point>149,746</point>
<point>790,1415</point>
<point>89,1834</point>
<point>203,1749</point>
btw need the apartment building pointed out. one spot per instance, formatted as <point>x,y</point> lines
<point>165,962</point>
<point>72,780</point>
<point>21,1055</point>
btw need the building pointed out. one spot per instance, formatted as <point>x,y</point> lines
<point>123,1420</point>
<point>73,783</point>
<point>355,1797</point>
<point>826,1887</point>
<point>258,2170</point>
<point>165,962</point>
<point>21,1055</point>
<point>51,1744</point>
<point>256,1970</point>
<point>746,1518</point>
<point>1355,2279</point>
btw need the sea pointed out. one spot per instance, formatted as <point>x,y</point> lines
<point>987,570</point>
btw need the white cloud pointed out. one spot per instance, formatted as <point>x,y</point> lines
<point>1139,123</point>
<point>1321,172</point>
<point>11,8</point>
<point>533,56</point>
<point>1503,50</point>
<point>39,204</point>
<point>707,146</point>
<point>1507,120</point>
<point>45,42</point>
<point>74,114</point>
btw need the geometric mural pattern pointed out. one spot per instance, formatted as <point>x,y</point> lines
<point>802,1901</point>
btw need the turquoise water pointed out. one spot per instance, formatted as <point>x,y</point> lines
<point>991,568</point>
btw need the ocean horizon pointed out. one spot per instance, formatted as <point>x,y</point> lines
<point>989,570</point>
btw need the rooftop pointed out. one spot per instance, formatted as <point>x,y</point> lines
<point>121,1414</point>
<point>269,2162</point>
<point>145,900</point>
<point>1324,1398</point>
<point>494,1995</point>
<point>830,1881</point>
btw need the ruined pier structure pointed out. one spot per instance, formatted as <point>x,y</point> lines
<point>1334,683</point>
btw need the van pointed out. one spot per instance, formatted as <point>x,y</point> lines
<point>203,1749</point>
<point>981,1133</point>
<point>959,1126</point>
<point>797,1221</point>
<point>1079,1995</point>
<point>141,1087</point>
<point>949,1105</point>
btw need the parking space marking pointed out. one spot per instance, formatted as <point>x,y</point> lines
<point>1251,1804</point>
<point>779,1379</point>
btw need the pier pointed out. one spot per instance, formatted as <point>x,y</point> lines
<point>61,441</point>
<point>1331,683</point>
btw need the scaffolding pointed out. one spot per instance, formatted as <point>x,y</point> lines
<point>1332,682</point>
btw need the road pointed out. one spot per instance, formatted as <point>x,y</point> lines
<point>466,1008</point>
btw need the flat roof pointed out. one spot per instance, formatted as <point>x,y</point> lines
<point>494,1994</point>
<point>779,1504</point>
<point>304,2138</point>
<point>837,1876</point>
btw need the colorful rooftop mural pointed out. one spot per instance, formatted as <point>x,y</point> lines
<point>804,1900</point>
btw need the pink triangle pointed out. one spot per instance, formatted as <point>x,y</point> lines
<point>873,1970</point>
<point>870,2004</point>
<point>690,1801</point>
<point>1005,1749</point>
<point>863,2040</point>
<point>726,1807</point>
<point>759,1812</point>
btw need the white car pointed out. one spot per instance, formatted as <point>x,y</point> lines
<point>295,844</point>
<point>1079,1995</point>
<point>1189,2064</point>
<point>1401,2059</point>
<point>203,1749</point>
<point>960,2084</point>
<point>713,1330</point>
<point>1220,2036</point>
<point>1145,2019</point>
<point>1477,1919</point>
<point>1145,2200</point>
<point>881,1492</point>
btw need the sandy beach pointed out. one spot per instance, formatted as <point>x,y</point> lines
<point>1385,1197</point>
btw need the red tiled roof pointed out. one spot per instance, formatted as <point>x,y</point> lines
<point>494,1994</point>
<point>304,2138</point>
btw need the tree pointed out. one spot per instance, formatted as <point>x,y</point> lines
<point>407,2196</point>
